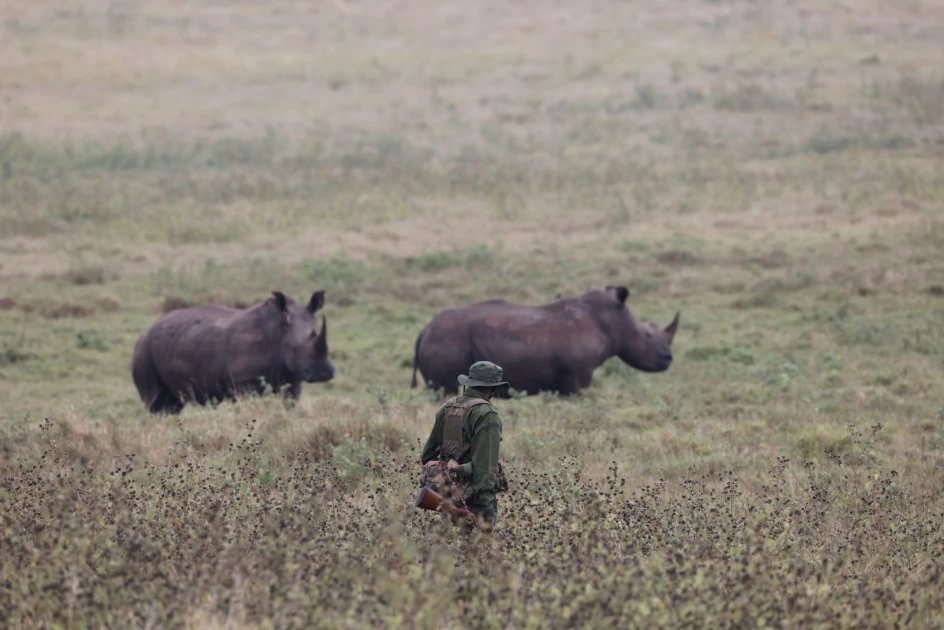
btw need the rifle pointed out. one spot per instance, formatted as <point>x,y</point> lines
<point>430,499</point>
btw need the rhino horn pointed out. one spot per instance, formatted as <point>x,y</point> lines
<point>322,344</point>
<point>671,328</point>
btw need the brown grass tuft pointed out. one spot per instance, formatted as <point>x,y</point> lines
<point>783,196</point>
<point>53,309</point>
<point>775,259</point>
<point>679,258</point>
<point>88,275</point>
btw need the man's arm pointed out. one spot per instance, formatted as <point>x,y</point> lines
<point>434,441</point>
<point>486,442</point>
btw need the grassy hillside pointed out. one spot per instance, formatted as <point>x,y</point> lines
<point>775,173</point>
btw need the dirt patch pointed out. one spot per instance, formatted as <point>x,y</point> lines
<point>175,303</point>
<point>58,310</point>
<point>230,301</point>
<point>775,259</point>
<point>761,299</point>
<point>433,293</point>
<point>108,305</point>
<point>679,258</point>
<point>52,309</point>
<point>88,275</point>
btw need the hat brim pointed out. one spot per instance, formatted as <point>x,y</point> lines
<point>469,382</point>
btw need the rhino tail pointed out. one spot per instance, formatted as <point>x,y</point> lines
<point>143,372</point>
<point>416,356</point>
<point>154,393</point>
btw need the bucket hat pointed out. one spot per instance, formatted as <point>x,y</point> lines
<point>483,374</point>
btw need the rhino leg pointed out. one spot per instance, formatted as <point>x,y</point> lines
<point>165,403</point>
<point>566,381</point>
<point>156,395</point>
<point>291,393</point>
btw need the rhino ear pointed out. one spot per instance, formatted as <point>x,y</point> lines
<point>620,293</point>
<point>280,301</point>
<point>316,302</point>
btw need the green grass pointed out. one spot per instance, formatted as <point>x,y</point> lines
<point>776,178</point>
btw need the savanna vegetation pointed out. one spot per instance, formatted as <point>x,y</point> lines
<point>772,170</point>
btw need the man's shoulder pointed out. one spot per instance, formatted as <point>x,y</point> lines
<point>483,409</point>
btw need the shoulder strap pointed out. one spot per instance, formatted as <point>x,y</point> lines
<point>472,402</point>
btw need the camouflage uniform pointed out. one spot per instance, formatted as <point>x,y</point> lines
<point>468,429</point>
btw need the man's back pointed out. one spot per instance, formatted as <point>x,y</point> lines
<point>468,430</point>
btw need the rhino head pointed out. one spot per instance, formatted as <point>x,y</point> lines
<point>642,345</point>
<point>304,349</point>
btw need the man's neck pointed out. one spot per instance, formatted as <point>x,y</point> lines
<point>477,393</point>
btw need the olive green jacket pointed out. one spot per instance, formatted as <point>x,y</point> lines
<point>482,428</point>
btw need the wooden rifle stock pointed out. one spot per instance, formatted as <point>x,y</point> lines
<point>429,499</point>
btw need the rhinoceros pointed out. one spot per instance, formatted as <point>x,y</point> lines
<point>213,353</point>
<point>554,347</point>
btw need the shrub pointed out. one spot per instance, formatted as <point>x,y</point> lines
<point>196,542</point>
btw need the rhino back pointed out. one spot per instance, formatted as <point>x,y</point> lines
<point>533,344</point>
<point>209,349</point>
<point>444,343</point>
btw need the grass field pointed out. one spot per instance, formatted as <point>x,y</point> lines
<point>774,171</point>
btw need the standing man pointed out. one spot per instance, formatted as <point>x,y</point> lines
<point>461,454</point>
